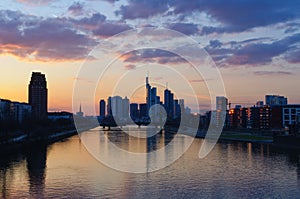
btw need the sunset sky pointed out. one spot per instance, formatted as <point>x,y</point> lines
<point>254,43</point>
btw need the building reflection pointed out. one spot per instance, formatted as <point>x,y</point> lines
<point>36,164</point>
<point>8,163</point>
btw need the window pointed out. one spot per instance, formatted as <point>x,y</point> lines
<point>286,111</point>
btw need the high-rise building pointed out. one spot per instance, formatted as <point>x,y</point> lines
<point>276,100</point>
<point>118,107</point>
<point>109,111</point>
<point>169,103</point>
<point>221,111</point>
<point>143,111</point>
<point>221,103</point>
<point>134,111</point>
<point>102,108</point>
<point>176,109</point>
<point>151,95</point>
<point>38,95</point>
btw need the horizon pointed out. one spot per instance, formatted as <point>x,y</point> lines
<point>257,53</point>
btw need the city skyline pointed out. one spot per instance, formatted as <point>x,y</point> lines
<point>257,56</point>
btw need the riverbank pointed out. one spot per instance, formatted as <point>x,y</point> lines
<point>22,141</point>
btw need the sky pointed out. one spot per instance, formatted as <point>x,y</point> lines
<point>255,44</point>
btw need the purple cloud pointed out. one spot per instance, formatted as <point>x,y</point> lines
<point>154,56</point>
<point>234,15</point>
<point>76,8</point>
<point>43,39</point>
<point>185,28</point>
<point>142,9</point>
<point>253,52</point>
<point>108,29</point>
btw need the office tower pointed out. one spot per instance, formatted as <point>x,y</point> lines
<point>38,94</point>
<point>109,112</point>
<point>134,111</point>
<point>118,107</point>
<point>176,109</point>
<point>169,103</point>
<point>221,109</point>
<point>102,108</point>
<point>143,111</point>
<point>125,108</point>
<point>221,103</point>
<point>276,100</point>
<point>151,95</point>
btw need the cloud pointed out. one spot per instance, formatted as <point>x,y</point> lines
<point>76,8</point>
<point>36,2</point>
<point>107,29</point>
<point>142,9</point>
<point>293,56</point>
<point>231,16</point>
<point>43,39</point>
<point>253,52</point>
<point>185,28</point>
<point>130,67</point>
<point>153,56</point>
<point>237,16</point>
<point>272,73</point>
<point>90,22</point>
<point>99,26</point>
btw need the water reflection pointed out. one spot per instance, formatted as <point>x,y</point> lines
<point>36,164</point>
<point>231,170</point>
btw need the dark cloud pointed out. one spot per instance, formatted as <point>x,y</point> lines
<point>90,23</point>
<point>142,9</point>
<point>76,8</point>
<point>185,28</point>
<point>101,27</point>
<point>234,15</point>
<point>44,39</point>
<point>108,29</point>
<point>153,56</point>
<point>272,73</point>
<point>253,52</point>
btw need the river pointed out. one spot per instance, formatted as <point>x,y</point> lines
<point>65,169</point>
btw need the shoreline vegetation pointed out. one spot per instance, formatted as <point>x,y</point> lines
<point>49,135</point>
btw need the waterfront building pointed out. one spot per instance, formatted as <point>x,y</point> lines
<point>38,95</point>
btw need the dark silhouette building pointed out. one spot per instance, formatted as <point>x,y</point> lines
<point>102,108</point>
<point>38,95</point>
<point>134,111</point>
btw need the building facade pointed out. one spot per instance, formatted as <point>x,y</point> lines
<point>38,95</point>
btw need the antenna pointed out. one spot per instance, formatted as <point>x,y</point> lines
<point>166,85</point>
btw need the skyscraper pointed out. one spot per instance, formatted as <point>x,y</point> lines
<point>169,103</point>
<point>38,95</point>
<point>276,100</point>
<point>102,108</point>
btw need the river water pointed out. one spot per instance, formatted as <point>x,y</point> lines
<point>65,169</point>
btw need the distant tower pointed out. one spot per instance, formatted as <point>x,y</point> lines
<point>80,113</point>
<point>38,95</point>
